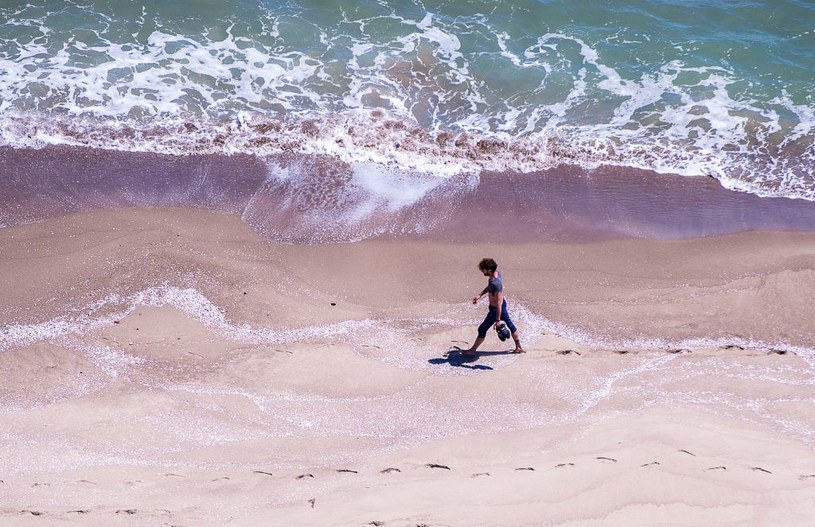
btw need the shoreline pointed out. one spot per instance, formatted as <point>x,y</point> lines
<point>313,200</point>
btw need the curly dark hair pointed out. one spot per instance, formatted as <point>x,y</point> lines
<point>488,264</point>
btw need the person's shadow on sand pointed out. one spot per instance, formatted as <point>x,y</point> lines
<point>456,357</point>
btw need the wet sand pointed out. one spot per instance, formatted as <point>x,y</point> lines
<point>316,199</point>
<point>171,366</point>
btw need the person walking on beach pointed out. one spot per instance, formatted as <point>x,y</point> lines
<point>497,313</point>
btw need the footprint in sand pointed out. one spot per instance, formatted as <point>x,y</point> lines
<point>716,468</point>
<point>564,465</point>
<point>525,468</point>
<point>687,452</point>
<point>651,464</point>
<point>129,512</point>
<point>603,458</point>
<point>304,476</point>
<point>761,470</point>
<point>347,471</point>
<point>568,352</point>
<point>389,470</point>
<point>262,472</point>
<point>435,465</point>
<point>479,474</point>
<point>806,477</point>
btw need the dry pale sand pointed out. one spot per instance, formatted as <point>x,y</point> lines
<point>170,367</point>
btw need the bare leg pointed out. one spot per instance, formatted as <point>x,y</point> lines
<point>474,347</point>
<point>517,338</point>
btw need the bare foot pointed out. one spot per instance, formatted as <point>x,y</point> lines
<point>518,350</point>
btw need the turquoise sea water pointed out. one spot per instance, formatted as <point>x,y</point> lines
<point>689,87</point>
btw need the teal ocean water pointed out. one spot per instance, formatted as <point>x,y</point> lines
<point>690,87</point>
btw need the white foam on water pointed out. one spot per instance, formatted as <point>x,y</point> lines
<point>27,334</point>
<point>187,300</point>
<point>388,188</point>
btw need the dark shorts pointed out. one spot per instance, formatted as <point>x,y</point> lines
<point>490,320</point>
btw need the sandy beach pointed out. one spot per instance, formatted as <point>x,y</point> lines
<point>239,244</point>
<point>172,367</point>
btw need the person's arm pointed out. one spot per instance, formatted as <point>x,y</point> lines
<point>482,293</point>
<point>499,297</point>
